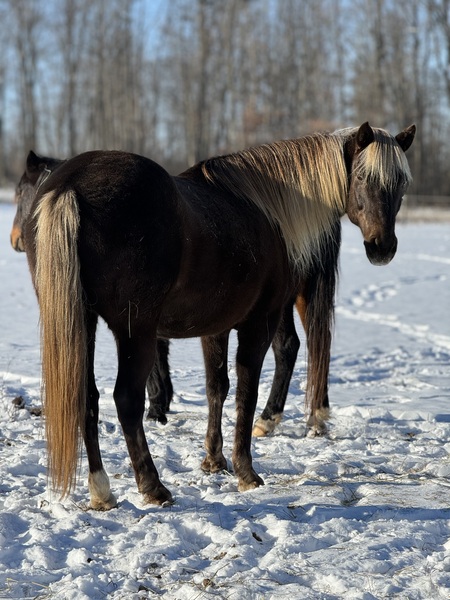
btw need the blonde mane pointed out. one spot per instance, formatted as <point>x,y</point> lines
<point>301,185</point>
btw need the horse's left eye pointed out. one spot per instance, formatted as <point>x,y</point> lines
<point>403,185</point>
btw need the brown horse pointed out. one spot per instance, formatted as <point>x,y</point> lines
<point>315,306</point>
<point>314,303</point>
<point>221,246</point>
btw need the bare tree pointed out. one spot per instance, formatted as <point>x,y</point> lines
<point>203,93</point>
<point>439,11</point>
<point>3,63</point>
<point>202,77</point>
<point>26,32</point>
<point>305,63</point>
<point>71,30</point>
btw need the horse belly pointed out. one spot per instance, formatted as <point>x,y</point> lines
<point>203,315</point>
<point>208,301</point>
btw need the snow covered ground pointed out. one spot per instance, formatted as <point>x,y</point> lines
<point>363,513</point>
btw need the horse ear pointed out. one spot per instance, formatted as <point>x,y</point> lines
<point>34,162</point>
<point>365,136</point>
<point>405,138</point>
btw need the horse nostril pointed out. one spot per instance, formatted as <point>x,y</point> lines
<point>17,243</point>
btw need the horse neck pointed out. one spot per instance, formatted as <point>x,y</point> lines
<point>300,185</point>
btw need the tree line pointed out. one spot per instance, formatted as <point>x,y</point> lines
<point>180,80</point>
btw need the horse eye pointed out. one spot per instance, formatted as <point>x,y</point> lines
<point>402,184</point>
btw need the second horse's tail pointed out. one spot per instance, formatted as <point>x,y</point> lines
<point>63,332</point>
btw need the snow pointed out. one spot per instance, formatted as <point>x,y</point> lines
<point>363,513</point>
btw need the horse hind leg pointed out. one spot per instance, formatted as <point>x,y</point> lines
<point>318,339</point>
<point>98,481</point>
<point>163,351</point>
<point>285,347</point>
<point>215,352</point>
<point>159,384</point>
<point>315,305</point>
<point>136,357</point>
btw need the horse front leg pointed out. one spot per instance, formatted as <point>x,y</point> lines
<point>254,340</point>
<point>318,341</point>
<point>98,481</point>
<point>215,354</point>
<point>285,347</point>
<point>136,357</point>
<point>159,384</point>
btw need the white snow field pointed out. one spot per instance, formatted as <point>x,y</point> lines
<point>363,513</point>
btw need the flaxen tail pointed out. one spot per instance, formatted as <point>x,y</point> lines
<point>63,333</point>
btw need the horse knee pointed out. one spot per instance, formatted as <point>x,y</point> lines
<point>294,344</point>
<point>290,347</point>
<point>218,389</point>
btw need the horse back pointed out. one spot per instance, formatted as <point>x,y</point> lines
<point>129,240</point>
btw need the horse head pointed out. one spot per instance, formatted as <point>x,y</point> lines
<point>379,177</point>
<point>37,168</point>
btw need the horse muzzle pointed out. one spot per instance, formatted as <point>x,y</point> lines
<point>17,240</point>
<point>381,252</point>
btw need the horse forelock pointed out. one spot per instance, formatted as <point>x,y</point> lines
<point>383,162</point>
<point>300,185</point>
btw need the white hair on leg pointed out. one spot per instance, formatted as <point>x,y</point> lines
<point>100,491</point>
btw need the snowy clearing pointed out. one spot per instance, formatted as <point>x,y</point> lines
<point>363,513</point>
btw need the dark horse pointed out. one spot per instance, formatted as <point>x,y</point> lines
<point>315,306</point>
<point>316,316</point>
<point>221,246</point>
<point>37,169</point>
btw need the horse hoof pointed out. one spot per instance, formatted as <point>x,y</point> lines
<point>152,416</point>
<point>264,427</point>
<point>317,432</point>
<point>161,497</point>
<point>244,486</point>
<point>317,423</point>
<point>102,505</point>
<point>214,466</point>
